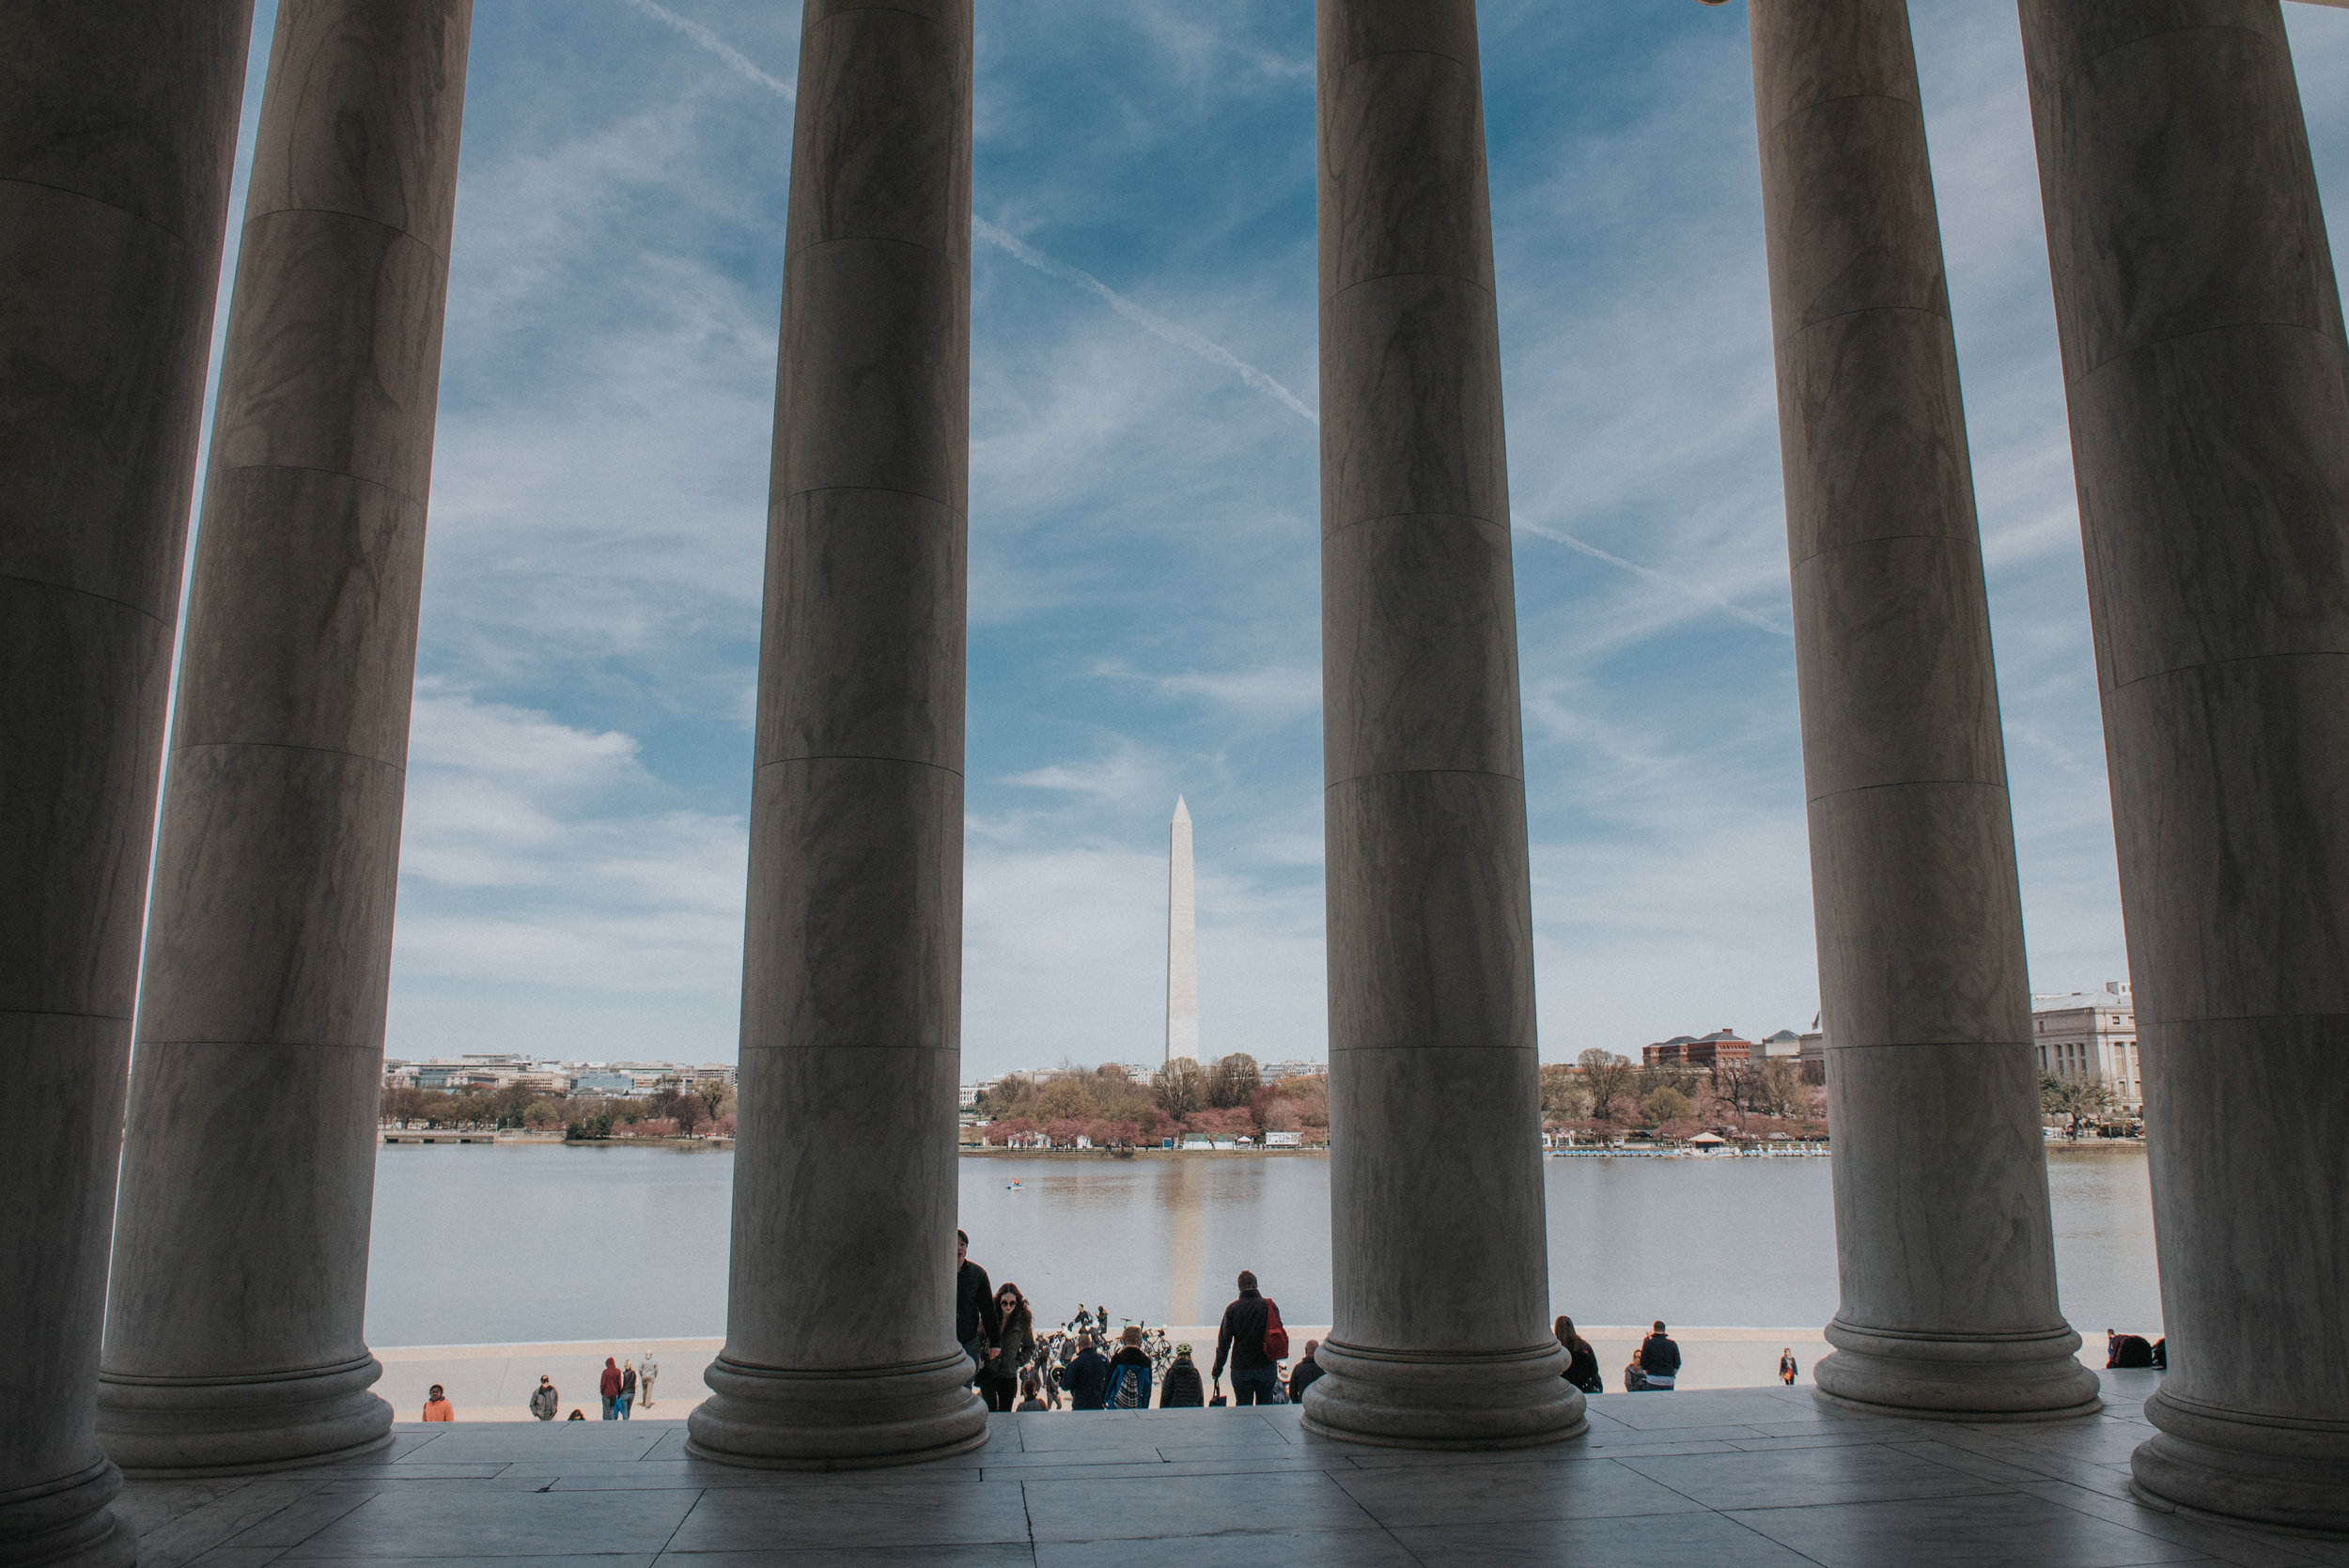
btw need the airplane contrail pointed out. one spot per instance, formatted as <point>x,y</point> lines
<point>1657,577</point>
<point>717,46</point>
<point>1156,325</point>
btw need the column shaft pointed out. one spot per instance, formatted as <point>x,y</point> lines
<point>2208,377</point>
<point>840,1347</point>
<point>1437,1240</point>
<point>1944,1247</point>
<point>117,132</point>
<point>235,1314</point>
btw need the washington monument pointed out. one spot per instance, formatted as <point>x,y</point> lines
<point>1182,951</point>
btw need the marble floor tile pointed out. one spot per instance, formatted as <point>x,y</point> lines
<point>237,1557</point>
<point>1647,1541</point>
<point>935,1555</point>
<point>1320,1548</point>
<point>1647,1412</point>
<point>1399,1498</point>
<point>302,1518</point>
<point>1195,1506</point>
<point>1790,1478</point>
<point>186,1533</point>
<point>455,1521</point>
<point>2001,1530</point>
<point>1721,1478</point>
<point>1153,1429</point>
<point>868,1516</point>
<point>2243,1548</point>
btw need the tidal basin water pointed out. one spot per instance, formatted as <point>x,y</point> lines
<point>479,1244</point>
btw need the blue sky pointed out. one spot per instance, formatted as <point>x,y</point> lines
<point>1144,612</point>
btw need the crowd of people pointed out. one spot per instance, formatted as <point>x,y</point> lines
<point>1088,1366</point>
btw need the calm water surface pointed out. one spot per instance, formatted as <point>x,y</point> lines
<point>478,1244</point>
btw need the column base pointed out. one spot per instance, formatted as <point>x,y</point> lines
<point>157,1427</point>
<point>2236,1465</point>
<point>1435,1400</point>
<point>863,1417</point>
<point>66,1524</point>
<point>2020,1378</point>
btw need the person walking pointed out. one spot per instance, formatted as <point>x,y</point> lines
<point>1660,1359</point>
<point>646,1369</point>
<point>1582,1360</point>
<point>1253,1341</point>
<point>544,1401</point>
<point>607,1389</point>
<point>627,1389</point>
<point>1182,1390</point>
<point>1305,1374</point>
<point>1086,1378</point>
<point>1786,1367</point>
<point>1015,1343</point>
<point>1130,1371</point>
<point>1030,1392</point>
<point>437,1407</point>
<point>976,1320</point>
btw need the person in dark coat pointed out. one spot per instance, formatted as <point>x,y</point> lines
<point>1305,1374</point>
<point>1184,1389</point>
<point>1130,1375</point>
<point>1659,1360</point>
<point>1582,1360</point>
<point>977,1323</point>
<point>1240,1339</point>
<point>1086,1378</point>
<point>1013,1349</point>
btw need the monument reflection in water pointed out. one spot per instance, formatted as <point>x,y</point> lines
<point>482,1244</point>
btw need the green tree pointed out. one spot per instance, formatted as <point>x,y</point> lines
<point>1666,1104</point>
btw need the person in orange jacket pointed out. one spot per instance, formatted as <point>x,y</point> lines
<point>437,1407</point>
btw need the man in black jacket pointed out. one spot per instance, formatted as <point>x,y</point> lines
<point>978,1321</point>
<point>1241,1339</point>
<point>1086,1378</point>
<point>1305,1374</point>
<point>1660,1359</point>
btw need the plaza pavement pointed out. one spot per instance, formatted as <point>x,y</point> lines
<point>1755,1478</point>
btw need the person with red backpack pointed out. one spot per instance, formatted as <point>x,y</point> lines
<point>1253,1341</point>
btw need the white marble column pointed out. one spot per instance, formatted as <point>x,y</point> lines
<point>235,1314</point>
<point>1945,1252</point>
<point>840,1346</point>
<point>2208,377</point>
<point>1438,1243</point>
<point>117,132</point>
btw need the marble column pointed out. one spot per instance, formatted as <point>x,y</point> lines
<point>236,1312</point>
<point>1438,1249</point>
<point>840,1346</point>
<point>1944,1248</point>
<point>2208,379</point>
<point>117,132</point>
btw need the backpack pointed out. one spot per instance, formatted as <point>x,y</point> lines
<point>1129,1389</point>
<point>1276,1339</point>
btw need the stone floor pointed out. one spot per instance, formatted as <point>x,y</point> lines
<point>1758,1476</point>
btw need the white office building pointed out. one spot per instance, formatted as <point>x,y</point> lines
<point>2091,1035</point>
